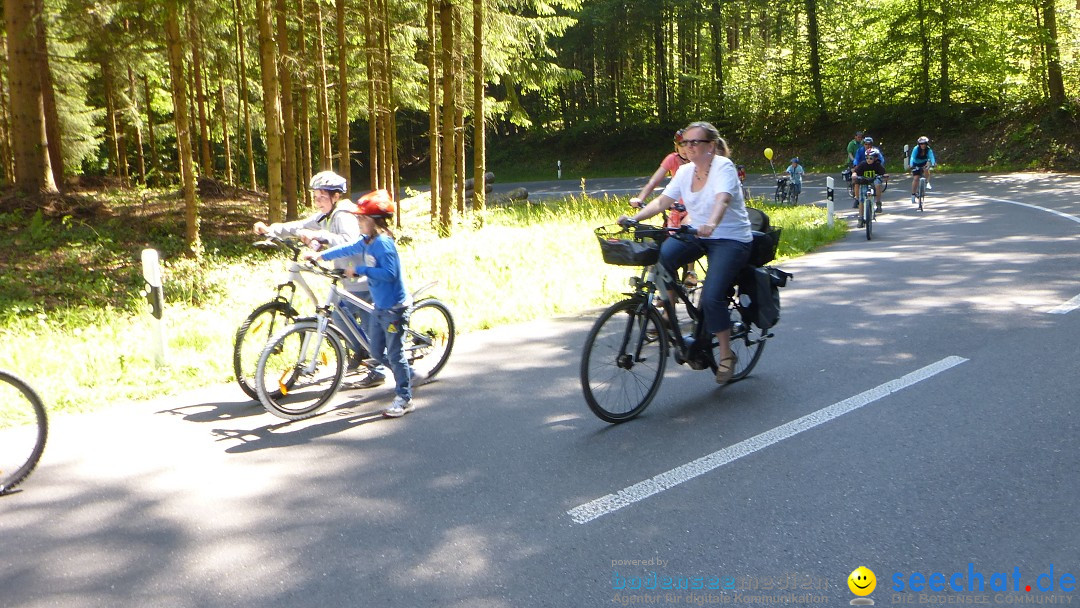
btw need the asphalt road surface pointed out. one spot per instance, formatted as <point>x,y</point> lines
<point>916,414</point>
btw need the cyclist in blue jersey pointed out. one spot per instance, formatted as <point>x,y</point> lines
<point>868,145</point>
<point>921,161</point>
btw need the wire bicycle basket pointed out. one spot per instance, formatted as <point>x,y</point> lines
<point>638,247</point>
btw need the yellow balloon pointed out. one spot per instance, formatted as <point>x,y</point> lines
<point>768,153</point>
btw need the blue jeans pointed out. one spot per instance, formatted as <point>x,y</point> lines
<point>385,336</point>
<point>726,258</point>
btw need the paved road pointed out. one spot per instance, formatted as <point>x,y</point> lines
<point>932,373</point>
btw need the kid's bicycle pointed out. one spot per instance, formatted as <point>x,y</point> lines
<point>626,351</point>
<point>866,199</point>
<point>24,427</point>
<point>303,365</point>
<point>786,191</point>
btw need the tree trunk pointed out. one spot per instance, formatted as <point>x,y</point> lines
<point>183,137</point>
<point>924,45</point>
<point>1054,79</point>
<point>433,109</point>
<point>194,35</point>
<point>479,164</point>
<point>271,108</point>
<point>459,113</point>
<point>33,173</point>
<point>112,135</point>
<point>285,64</point>
<point>7,164</point>
<point>371,62</point>
<point>446,197</point>
<point>52,117</point>
<point>946,37</point>
<point>815,57</point>
<point>326,161</point>
<point>241,45</point>
<point>661,65</point>
<point>224,113</point>
<point>155,170</point>
<point>344,157</point>
<point>305,105</point>
<point>134,95</point>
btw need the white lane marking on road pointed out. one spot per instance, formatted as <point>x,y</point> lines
<point>1067,307</point>
<point>627,496</point>
<point>1074,303</point>
<point>1054,211</point>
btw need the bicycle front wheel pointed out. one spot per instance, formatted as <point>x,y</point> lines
<point>747,342</point>
<point>868,217</point>
<point>429,338</point>
<point>623,361</point>
<point>23,429</point>
<point>300,370</point>
<point>251,339</point>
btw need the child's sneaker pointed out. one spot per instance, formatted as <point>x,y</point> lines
<point>399,407</point>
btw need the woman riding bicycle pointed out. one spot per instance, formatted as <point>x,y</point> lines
<point>709,187</point>
<point>921,161</point>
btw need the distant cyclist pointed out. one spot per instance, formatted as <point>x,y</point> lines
<point>870,171</point>
<point>853,147</point>
<point>868,145</point>
<point>921,161</point>
<point>796,172</point>
<point>668,166</point>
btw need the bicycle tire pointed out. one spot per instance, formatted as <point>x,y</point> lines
<point>429,338</point>
<point>747,342</point>
<point>608,374</point>
<point>251,338</point>
<point>22,446</point>
<point>288,391</point>
<point>868,217</point>
<point>922,191</point>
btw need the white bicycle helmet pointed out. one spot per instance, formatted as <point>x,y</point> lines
<point>924,140</point>
<point>329,181</point>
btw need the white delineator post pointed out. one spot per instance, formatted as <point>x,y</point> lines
<point>829,196</point>
<point>155,296</point>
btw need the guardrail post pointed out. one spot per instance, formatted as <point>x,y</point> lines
<point>155,296</point>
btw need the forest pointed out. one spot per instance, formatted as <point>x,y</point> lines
<point>259,94</point>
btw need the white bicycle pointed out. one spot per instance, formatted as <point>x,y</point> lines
<point>302,366</point>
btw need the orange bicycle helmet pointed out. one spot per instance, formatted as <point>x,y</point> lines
<point>375,204</point>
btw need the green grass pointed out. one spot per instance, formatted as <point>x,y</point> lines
<point>529,261</point>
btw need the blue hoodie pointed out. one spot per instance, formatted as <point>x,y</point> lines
<point>382,267</point>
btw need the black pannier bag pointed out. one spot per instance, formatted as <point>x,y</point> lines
<point>759,294</point>
<point>763,247</point>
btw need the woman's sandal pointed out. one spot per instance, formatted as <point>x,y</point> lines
<point>726,369</point>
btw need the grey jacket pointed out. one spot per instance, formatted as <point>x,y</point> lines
<point>340,228</point>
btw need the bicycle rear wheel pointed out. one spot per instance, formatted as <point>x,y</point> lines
<point>251,339</point>
<point>429,338</point>
<point>23,429</point>
<point>747,342</point>
<point>300,370</point>
<point>623,360</point>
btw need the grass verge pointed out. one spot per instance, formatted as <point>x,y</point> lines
<point>76,327</point>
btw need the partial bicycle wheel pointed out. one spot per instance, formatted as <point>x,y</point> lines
<point>300,370</point>
<point>429,338</point>
<point>623,361</point>
<point>747,342</point>
<point>24,427</point>
<point>868,217</point>
<point>922,191</point>
<point>251,339</point>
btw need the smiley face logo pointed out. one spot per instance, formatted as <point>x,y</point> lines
<point>862,581</point>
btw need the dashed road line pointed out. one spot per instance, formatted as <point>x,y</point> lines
<point>640,491</point>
